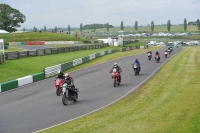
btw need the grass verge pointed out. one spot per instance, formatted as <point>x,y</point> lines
<point>167,103</point>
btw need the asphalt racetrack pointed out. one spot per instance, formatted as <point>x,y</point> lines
<point>36,106</point>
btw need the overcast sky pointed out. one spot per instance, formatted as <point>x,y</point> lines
<point>62,13</point>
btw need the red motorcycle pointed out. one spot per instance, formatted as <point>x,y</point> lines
<point>166,53</point>
<point>58,84</point>
<point>149,56</point>
<point>115,77</point>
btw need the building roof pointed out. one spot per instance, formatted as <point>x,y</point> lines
<point>3,32</point>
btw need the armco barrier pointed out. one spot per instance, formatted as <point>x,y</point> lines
<point>38,76</point>
<point>25,80</point>
<point>5,86</point>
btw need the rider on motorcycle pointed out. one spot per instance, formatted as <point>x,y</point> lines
<point>69,80</point>
<point>119,70</point>
<point>157,54</point>
<point>171,48</point>
<point>138,63</point>
<point>60,75</point>
<point>149,52</point>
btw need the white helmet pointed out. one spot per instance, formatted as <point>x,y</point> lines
<point>115,65</point>
<point>58,71</point>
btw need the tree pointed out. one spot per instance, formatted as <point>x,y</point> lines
<point>55,29</point>
<point>34,29</point>
<point>45,28</point>
<point>136,25</point>
<point>185,24</point>
<point>198,21</point>
<point>69,29</point>
<point>24,29</point>
<point>107,27</point>
<point>10,18</point>
<point>122,26</point>
<point>198,25</point>
<point>81,27</point>
<point>94,27</point>
<point>152,26</point>
<point>168,25</point>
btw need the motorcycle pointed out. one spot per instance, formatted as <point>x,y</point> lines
<point>149,56</point>
<point>166,54</point>
<point>169,51</point>
<point>157,58</point>
<point>69,95</point>
<point>115,77</point>
<point>136,69</point>
<point>58,84</point>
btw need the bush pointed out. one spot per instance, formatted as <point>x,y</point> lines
<point>6,43</point>
<point>86,41</point>
<point>95,41</point>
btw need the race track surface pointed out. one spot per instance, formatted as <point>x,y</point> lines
<point>36,106</point>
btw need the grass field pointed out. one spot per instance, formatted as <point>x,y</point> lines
<point>167,103</point>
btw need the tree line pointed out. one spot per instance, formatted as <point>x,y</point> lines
<point>11,19</point>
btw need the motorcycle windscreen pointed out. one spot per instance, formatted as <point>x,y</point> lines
<point>58,81</point>
<point>135,65</point>
<point>114,70</point>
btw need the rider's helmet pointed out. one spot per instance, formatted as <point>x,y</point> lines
<point>67,75</point>
<point>115,65</point>
<point>136,59</point>
<point>58,72</point>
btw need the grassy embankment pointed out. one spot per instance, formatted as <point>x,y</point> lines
<point>167,103</point>
<point>36,36</point>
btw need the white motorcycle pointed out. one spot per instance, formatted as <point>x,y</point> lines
<point>69,94</point>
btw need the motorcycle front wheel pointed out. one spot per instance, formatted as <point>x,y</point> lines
<point>58,91</point>
<point>64,99</point>
<point>135,70</point>
<point>114,82</point>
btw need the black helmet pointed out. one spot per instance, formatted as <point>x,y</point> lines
<point>136,59</point>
